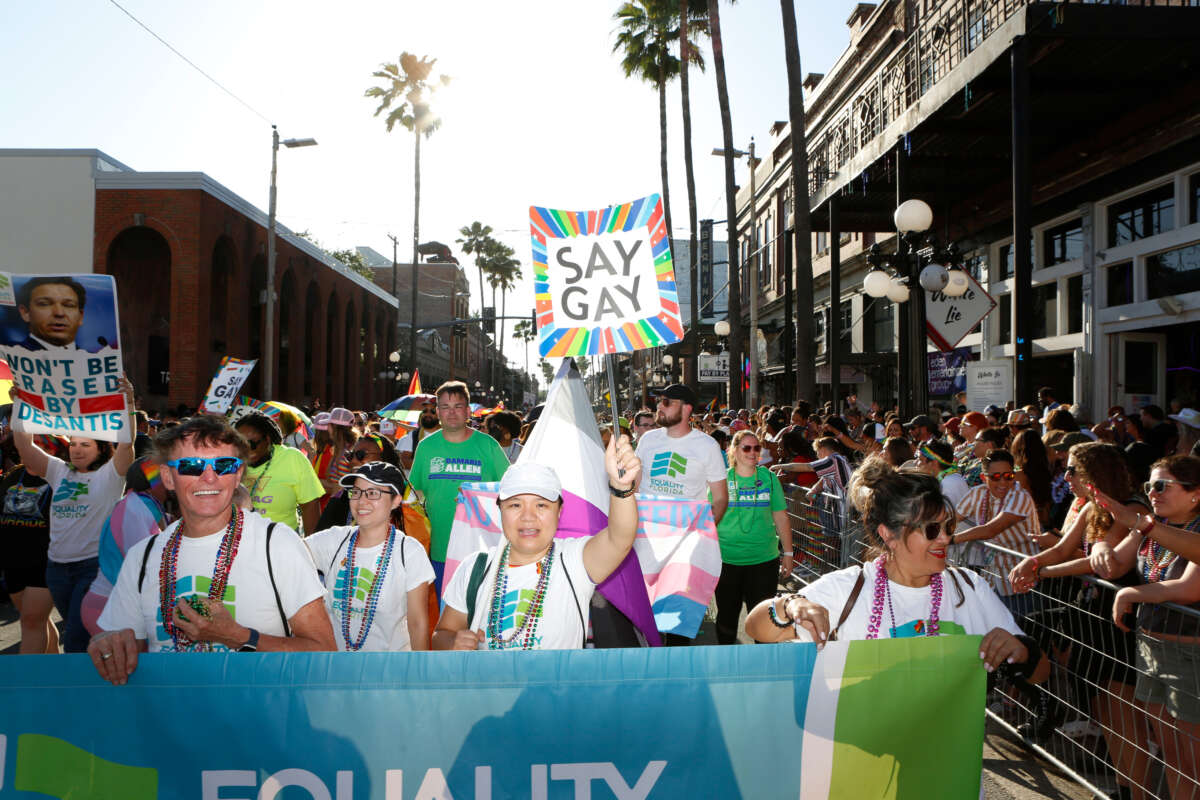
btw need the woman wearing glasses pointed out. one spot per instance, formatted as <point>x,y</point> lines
<point>1164,546</point>
<point>754,527</point>
<point>373,572</point>
<point>904,590</point>
<point>84,490</point>
<point>1003,512</point>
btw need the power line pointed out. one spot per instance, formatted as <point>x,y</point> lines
<point>190,63</point>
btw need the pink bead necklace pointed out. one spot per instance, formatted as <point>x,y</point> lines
<point>883,594</point>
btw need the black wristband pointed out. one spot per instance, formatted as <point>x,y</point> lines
<point>621,492</point>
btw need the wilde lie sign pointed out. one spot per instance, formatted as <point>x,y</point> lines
<point>949,319</point>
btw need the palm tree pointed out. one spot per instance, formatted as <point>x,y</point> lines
<point>806,356</point>
<point>503,271</point>
<point>475,242</point>
<point>736,334</point>
<point>405,92</point>
<point>524,331</point>
<point>691,13</point>
<point>644,38</point>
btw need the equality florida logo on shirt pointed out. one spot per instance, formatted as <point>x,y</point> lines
<point>667,464</point>
<point>516,606</point>
<point>188,586</point>
<point>69,491</point>
<point>363,578</point>
<point>455,468</point>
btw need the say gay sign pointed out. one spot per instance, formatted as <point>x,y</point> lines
<point>603,280</point>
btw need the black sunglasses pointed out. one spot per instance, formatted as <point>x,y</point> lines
<point>1070,469</point>
<point>359,455</point>
<point>933,530</point>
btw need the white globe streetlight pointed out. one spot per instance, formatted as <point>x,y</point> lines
<point>876,283</point>
<point>956,283</point>
<point>934,278</point>
<point>897,291</point>
<point>913,216</point>
<point>721,328</point>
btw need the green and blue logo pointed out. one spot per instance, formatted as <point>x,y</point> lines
<point>667,463</point>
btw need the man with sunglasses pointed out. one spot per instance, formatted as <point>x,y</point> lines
<point>682,461</point>
<point>282,483</point>
<point>427,425</point>
<point>199,585</point>
<point>1003,512</point>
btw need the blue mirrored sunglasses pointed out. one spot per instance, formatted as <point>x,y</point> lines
<point>193,466</point>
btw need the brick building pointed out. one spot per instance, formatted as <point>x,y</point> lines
<point>190,261</point>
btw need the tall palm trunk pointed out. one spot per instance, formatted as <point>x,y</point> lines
<point>736,334</point>
<point>806,356</point>
<point>492,382</point>
<point>690,371</point>
<point>500,322</point>
<point>481,334</point>
<point>662,145</point>
<point>412,320</point>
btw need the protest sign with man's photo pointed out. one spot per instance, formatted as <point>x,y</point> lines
<point>59,337</point>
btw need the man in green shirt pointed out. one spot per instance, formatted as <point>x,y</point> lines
<point>452,456</point>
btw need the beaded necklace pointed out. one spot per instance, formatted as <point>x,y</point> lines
<point>527,630</point>
<point>1156,559</point>
<point>883,592</point>
<point>734,494</point>
<point>167,570</point>
<point>348,586</point>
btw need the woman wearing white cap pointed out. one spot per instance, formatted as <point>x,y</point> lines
<point>374,574</point>
<point>532,591</point>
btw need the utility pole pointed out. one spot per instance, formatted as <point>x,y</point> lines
<point>754,282</point>
<point>396,289</point>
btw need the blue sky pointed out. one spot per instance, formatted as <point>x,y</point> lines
<point>539,112</point>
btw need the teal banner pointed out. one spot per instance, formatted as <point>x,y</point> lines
<point>895,718</point>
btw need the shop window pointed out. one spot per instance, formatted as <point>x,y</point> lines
<point>1173,272</point>
<point>1008,259</point>
<point>1147,214</point>
<point>819,331</point>
<point>975,265</point>
<point>1119,280</point>
<point>1074,304</point>
<point>765,255</point>
<point>1005,311</point>
<point>1063,242</point>
<point>1044,320</point>
<point>822,246</point>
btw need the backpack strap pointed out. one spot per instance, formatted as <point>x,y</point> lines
<point>287,629</point>
<point>145,558</point>
<point>479,569</point>
<point>854,593</point>
<point>575,597</point>
<point>338,550</point>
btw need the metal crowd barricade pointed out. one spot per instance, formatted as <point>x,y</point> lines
<point>1084,718</point>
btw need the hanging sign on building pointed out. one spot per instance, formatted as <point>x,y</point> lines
<point>604,281</point>
<point>948,371</point>
<point>58,335</point>
<point>949,319</point>
<point>714,369</point>
<point>226,384</point>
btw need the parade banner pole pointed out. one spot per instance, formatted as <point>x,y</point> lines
<point>610,361</point>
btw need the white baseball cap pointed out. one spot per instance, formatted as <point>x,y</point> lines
<point>530,478</point>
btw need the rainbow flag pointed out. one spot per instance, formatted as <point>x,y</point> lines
<point>414,386</point>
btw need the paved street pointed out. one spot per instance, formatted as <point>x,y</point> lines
<point>1009,772</point>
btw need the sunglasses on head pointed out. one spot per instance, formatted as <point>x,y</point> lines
<point>752,448</point>
<point>1070,469</point>
<point>1001,476</point>
<point>193,466</point>
<point>1159,486</point>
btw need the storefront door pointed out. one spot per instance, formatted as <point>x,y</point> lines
<point>1141,370</point>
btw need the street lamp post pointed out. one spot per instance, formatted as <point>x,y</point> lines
<point>721,329</point>
<point>908,280</point>
<point>269,339</point>
<point>753,282</point>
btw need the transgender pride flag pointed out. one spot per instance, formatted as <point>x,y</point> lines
<point>666,583</point>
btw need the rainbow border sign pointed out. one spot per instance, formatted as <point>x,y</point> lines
<point>605,293</point>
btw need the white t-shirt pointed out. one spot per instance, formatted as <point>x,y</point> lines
<point>561,627</point>
<point>248,594</point>
<point>980,612</point>
<point>955,488</point>
<point>680,467</point>
<point>408,442</point>
<point>409,568</point>
<point>81,503</point>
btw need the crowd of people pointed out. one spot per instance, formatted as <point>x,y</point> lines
<point>209,534</point>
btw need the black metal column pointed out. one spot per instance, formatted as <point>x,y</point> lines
<point>833,346</point>
<point>903,373</point>
<point>1021,202</point>
<point>789,332</point>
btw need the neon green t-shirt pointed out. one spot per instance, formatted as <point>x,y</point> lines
<point>282,484</point>
<point>440,466</point>
<point>747,531</point>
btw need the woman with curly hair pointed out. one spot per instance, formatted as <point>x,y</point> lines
<point>1106,660</point>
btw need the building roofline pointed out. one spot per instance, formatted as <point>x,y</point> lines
<point>199,181</point>
<point>18,152</point>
